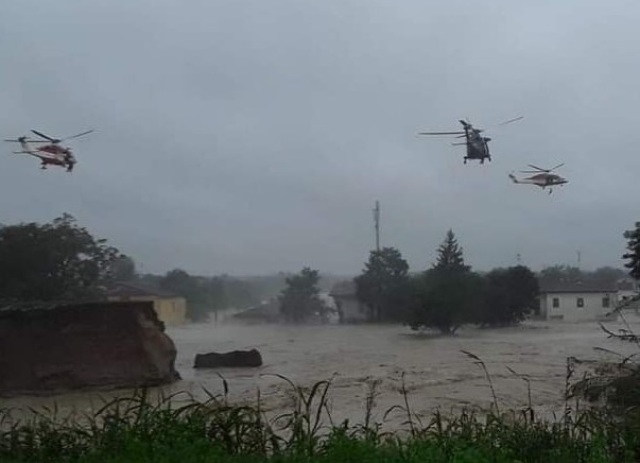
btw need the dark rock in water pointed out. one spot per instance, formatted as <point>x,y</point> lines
<point>236,358</point>
<point>49,348</point>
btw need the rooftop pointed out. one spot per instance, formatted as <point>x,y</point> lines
<point>578,287</point>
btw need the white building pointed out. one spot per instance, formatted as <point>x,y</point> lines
<point>350,309</point>
<point>578,301</point>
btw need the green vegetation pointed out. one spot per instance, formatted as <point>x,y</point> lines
<point>509,295</point>
<point>447,295</point>
<point>205,295</point>
<point>137,429</point>
<point>633,246</point>
<point>53,261</point>
<point>383,285</point>
<point>300,301</point>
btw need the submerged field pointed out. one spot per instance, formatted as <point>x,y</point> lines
<point>340,393</point>
<point>437,374</point>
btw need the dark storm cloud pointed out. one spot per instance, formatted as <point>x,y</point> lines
<point>253,136</point>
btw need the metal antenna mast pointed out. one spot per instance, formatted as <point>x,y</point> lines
<point>376,221</point>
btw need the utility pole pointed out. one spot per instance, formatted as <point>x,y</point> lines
<point>376,221</point>
<point>579,258</point>
<point>519,259</point>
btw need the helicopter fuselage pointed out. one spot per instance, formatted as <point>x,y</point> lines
<point>51,154</point>
<point>543,180</point>
<point>54,149</point>
<point>477,145</point>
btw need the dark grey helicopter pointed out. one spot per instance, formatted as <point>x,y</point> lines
<point>477,145</point>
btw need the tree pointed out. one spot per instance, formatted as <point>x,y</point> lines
<point>450,254</point>
<point>123,268</point>
<point>509,295</point>
<point>607,274</point>
<point>53,261</point>
<point>446,296</point>
<point>240,293</point>
<point>299,300</point>
<point>633,256</point>
<point>217,293</point>
<point>383,285</point>
<point>560,274</point>
<point>181,283</point>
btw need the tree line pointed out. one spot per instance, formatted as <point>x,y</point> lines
<point>61,260</point>
<point>450,294</point>
<point>445,296</point>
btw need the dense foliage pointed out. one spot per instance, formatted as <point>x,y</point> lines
<point>53,261</point>
<point>558,274</point>
<point>509,295</point>
<point>448,295</point>
<point>207,295</point>
<point>123,268</point>
<point>136,429</point>
<point>633,254</point>
<point>300,301</point>
<point>383,285</point>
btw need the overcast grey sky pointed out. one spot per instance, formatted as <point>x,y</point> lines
<point>254,136</point>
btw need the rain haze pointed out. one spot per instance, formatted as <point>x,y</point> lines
<point>248,137</point>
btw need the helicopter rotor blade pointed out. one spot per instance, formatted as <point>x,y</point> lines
<point>559,165</point>
<point>78,135</point>
<point>40,134</point>
<point>515,119</point>
<point>440,133</point>
<point>538,168</point>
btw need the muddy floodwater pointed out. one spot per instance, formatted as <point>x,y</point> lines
<point>436,373</point>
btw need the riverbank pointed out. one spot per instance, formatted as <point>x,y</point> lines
<point>137,429</point>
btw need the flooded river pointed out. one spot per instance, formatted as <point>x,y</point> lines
<point>436,373</point>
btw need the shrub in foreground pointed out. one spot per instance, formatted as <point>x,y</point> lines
<point>137,429</point>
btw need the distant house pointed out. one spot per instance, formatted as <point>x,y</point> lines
<point>577,301</point>
<point>350,309</point>
<point>170,308</point>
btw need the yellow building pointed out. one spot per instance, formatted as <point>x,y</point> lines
<point>170,308</point>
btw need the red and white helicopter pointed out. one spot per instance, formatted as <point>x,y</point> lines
<point>49,151</point>
<point>542,178</point>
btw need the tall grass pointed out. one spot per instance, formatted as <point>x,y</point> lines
<point>141,429</point>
